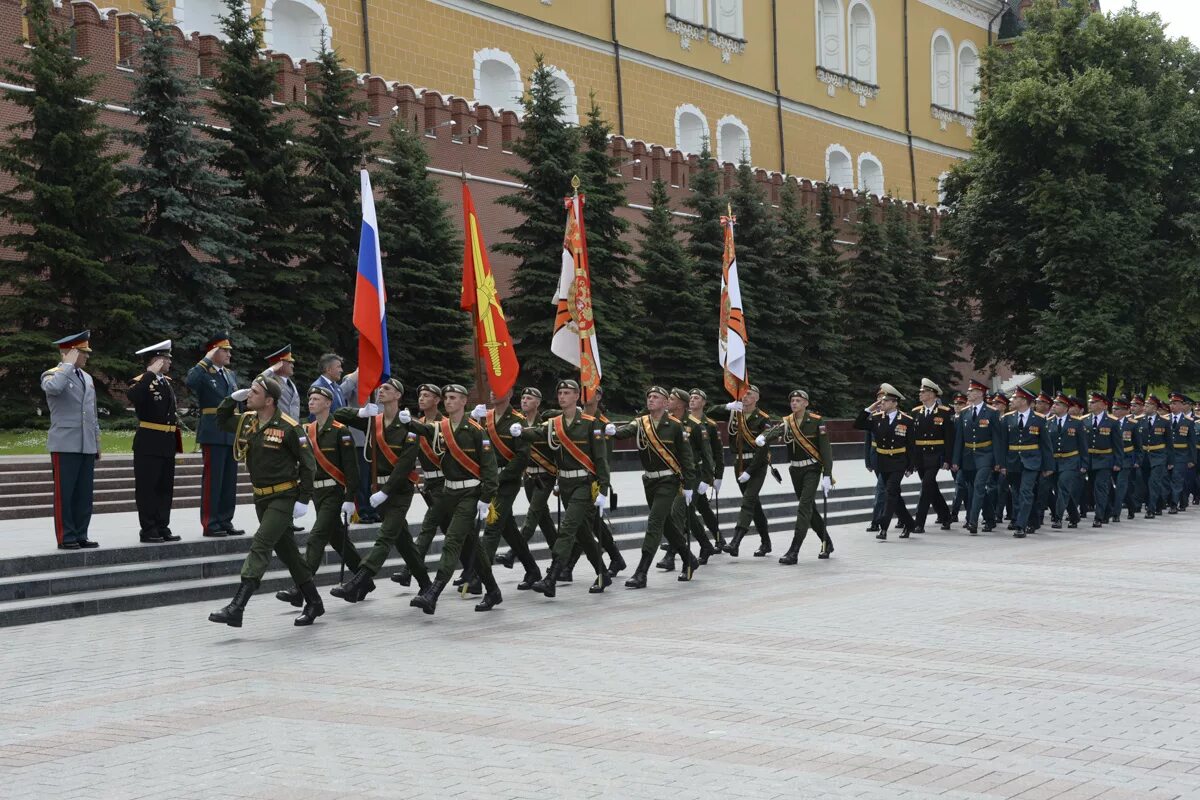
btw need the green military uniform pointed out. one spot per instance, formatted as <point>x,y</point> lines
<point>603,532</point>
<point>431,470</point>
<point>810,457</point>
<point>512,456</point>
<point>540,476</point>
<point>702,455</point>
<point>716,465</point>
<point>744,428</point>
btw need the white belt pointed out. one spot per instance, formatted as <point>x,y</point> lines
<point>662,473</point>
<point>325,484</point>
<point>573,473</point>
<point>432,473</point>
<point>808,462</point>
<point>536,471</point>
<point>469,483</point>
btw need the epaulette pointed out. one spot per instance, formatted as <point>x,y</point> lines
<point>206,367</point>
<point>478,427</point>
<point>136,378</point>
<point>674,418</point>
<point>1007,414</point>
<point>1080,418</point>
<point>877,414</point>
<point>905,415</point>
<point>943,408</point>
<point>762,413</point>
<point>1040,416</point>
<point>814,416</point>
<point>337,424</point>
<point>917,408</point>
<point>587,417</point>
<point>709,420</point>
<point>287,419</point>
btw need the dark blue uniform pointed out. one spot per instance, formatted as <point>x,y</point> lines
<point>1068,445</point>
<point>1106,452</point>
<point>977,445</point>
<point>155,445</point>
<point>1130,431</point>
<point>210,385</point>
<point>1026,455</point>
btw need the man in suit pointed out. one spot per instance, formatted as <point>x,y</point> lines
<point>74,440</point>
<point>892,433</point>
<point>1026,456</point>
<point>211,381</point>
<point>976,447</point>
<point>155,444</point>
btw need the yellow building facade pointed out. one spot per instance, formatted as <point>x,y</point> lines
<point>876,95</point>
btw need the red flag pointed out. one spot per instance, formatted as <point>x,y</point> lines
<point>494,346</point>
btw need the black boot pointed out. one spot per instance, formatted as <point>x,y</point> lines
<point>690,565</point>
<point>707,551</point>
<point>616,564</point>
<point>566,574</point>
<point>546,585</point>
<point>473,587</point>
<point>602,582</point>
<point>668,561</point>
<point>529,580</point>
<point>313,607</point>
<point>367,587</point>
<point>351,590</point>
<point>736,541</point>
<point>231,614</point>
<point>826,547</point>
<point>506,560</point>
<point>764,545</point>
<point>719,541</point>
<point>292,595</point>
<point>793,552</point>
<point>403,577</point>
<point>491,597</point>
<point>638,579</point>
<point>427,599</point>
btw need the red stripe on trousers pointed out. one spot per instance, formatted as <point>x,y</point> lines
<point>204,509</point>
<point>58,521</point>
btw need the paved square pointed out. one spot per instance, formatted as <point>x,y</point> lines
<point>1062,666</point>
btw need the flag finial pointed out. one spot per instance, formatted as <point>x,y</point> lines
<point>575,182</point>
<point>462,172</point>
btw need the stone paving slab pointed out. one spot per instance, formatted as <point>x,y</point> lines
<point>1060,667</point>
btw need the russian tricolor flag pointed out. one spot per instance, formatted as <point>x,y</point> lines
<point>370,302</point>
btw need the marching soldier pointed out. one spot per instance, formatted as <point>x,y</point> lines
<point>155,444</point>
<point>616,562</point>
<point>961,490</point>
<point>702,455</point>
<point>933,448</point>
<point>892,432</point>
<point>281,365</point>
<point>1106,453</point>
<point>281,468</point>
<point>1183,435</point>
<point>696,403</point>
<point>810,458</point>
<point>73,442</point>
<point>1130,433</point>
<point>392,454</point>
<point>211,382</point>
<point>1068,446</point>
<point>665,449</point>
<point>998,499</point>
<point>746,422</point>
<point>1027,455</point>
<point>334,486</point>
<point>539,480</point>
<point>581,456</point>
<point>976,448</point>
<point>1158,443</point>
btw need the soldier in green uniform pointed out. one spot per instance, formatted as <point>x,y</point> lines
<point>696,402</point>
<point>392,453</point>
<point>281,469</point>
<point>429,397</point>
<point>697,436</point>
<point>616,562</point>
<point>665,450</point>
<point>746,422</point>
<point>810,459</point>
<point>469,485</point>
<point>539,480</point>
<point>581,456</point>
<point>334,487</point>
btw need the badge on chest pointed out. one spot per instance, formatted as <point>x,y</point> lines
<point>273,437</point>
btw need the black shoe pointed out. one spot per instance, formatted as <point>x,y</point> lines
<point>567,574</point>
<point>972,530</point>
<point>427,599</point>
<point>235,532</point>
<point>367,588</point>
<point>231,614</point>
<point>529,580</point>
<point>1115,520</point>
<point>292,595</point>
<point>945,525</point>
<point>707,552</point>
<point>88,544</point>
<point>150,537</point>
<point>874,527</point>
<point>638,579</point>
<point>506,560</point>
<point>881,536</point>
<point>602,582</point>
<point>546,586</point>
<point>1129,514</point>
<point>1012,526</point>
<point>167,536</point>
<point>313,607</point>
<point>1073,524</point>
<point>1172,510</point>
<point>826,548</point>
<point>764,546</point>
<point>471,587</point>
<point>1056,525</point>
<point>69,546</point>
<point>904,533</point>
<point>490,600</point>
<point>918,529</point>
<point>1018,534</point>
<point>616,564</point>
<point>988,527</point>
<point>1097,523</point>
<point>403,577</point>
<point>216,533</point>
<point>789,558</point>
<point>668,562</point>
<point>351,590</point>
<point>736,542</point>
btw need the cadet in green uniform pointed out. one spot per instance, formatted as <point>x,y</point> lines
<point>696,402</point>
<point>539,479</point>
<point>616,562</point>
<point>392,454</point>
<point>281,469</point>
<point>429,397</point>
<point>697,436</point>
<point>581,455</point>
<point>334,487</point>
<point>665,450</point>
<point>746,422</point>
<point>811,465</point>
<point>469,468</point>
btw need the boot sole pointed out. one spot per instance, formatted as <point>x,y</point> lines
<point>230,623</point>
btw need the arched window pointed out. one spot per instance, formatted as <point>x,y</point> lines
<point>733,140</point>
<point>725,17</point>
<point>498,80</point>
<point>968,77</point>
<point>829,35</point>
<point>199,15</point>
<point>691,129</point>
<point>687,10</point>
<point>870,174</point>
<point>295,27</point>
<point>862,42</point>
<point>565,89</point>
<point>839,169</point>
<point>942,53</point>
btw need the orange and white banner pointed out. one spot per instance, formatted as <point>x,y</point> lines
<point>574,339</point>
<point>732,345</point>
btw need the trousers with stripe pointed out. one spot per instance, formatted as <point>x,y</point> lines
<point>218,491</point>
<point>74,479</point>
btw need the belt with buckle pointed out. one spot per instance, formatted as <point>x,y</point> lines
<point>156,426</point>
<point>1153,447</point>
<point>325,484</point>
<point>265,491</point>
<point>1097,452</point>
<point>1181,446</point>
<point>930,442</point>
<point>1024,446</point>
<point>433,473</point>
<point>662,473</point>
<point>573,473</point>
<point>977,445</point>
<point>895,451</point>
<point>212,410</point>
<point>536,471</point>
<point>1066,455</point>
<point>805,463</point>
<point>469,483</point>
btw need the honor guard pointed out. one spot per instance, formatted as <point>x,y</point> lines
<point>156,443</point>
<point>1183,434</point>
<point>933,447</point>
<point>958,402</point>
<point>1106,454</point>
<point>1069,449</point>
<point>1158,445</point>
<point>1027,456</point>
<point>976,450</point>
<point>810,464</point>
<point>210,382</point>
<point>746,422</point>
<point>1128,430</point>
<point>281,365</point>
<point>892,432</point>
<point>697,400</point>
<point>539,480</point>
<point>73,441</point>
<point>702,454</point>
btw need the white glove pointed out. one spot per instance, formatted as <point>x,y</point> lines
<point>687,497</point>
<point>703,487</point>
<point>717,486</point>
<point>515,429</point>
<point>610,430</point>
<point>299,510</point>
<point>760,440</point>
<point>240,395</point>
<point>479,411</point>
<point>745,476</point>
<point>369,410</point>
<point>481,510</point>
<point>736,405</point>
<point>348,508</point>
<point>404,416</point>
<point>601,501</point>
<point>826,484</point>
<point>378,499</point>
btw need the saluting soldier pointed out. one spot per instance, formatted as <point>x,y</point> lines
<point>73,441</point>
<point>1183,436</point>
<point>1158,443</point>
<point>1068,445</point>
<point>933,448</point>
<point>581,455</point>
<point>976,450</point>
<point>281,468</point>
<point>669,470</point>
<point>892,432</point>
<point>334,487</point>
<point>1027,455</point>
<point>697,399</point>
<point>155,444</point>
<point>281,365</point>
<point>1106,453</point>
<point>211,381</point>
<point>746,422</point>
<point>1130,434</point>
<point>810,458</point>
<point>539,480</point>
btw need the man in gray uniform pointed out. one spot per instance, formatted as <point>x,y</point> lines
<point>281,365</point>
<point>74,441</point>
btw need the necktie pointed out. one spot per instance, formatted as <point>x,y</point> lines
<point>79,377</point>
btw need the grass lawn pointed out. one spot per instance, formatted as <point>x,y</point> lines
<point>20,443</point>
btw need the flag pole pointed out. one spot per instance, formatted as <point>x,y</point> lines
<point>575,184</point>
<point>475,355</point>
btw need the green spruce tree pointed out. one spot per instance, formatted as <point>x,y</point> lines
<point>70,236</point>
<point>429,335</point>
<point>671,307</point>
<point>944,318</point>
<point>335,149</point>
<point>272,294</point>
<point>549,148</point>
<point>706,246</point>
<point>190,218</point>
<point>917,326</point>
<point>828,275</point>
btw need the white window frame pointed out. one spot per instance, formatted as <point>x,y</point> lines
<point>967,92</point>
<point>494,54</point>
<point>700,6</point>
<point>870,158</point>
<point>941,33</point>
<point>182,21</point>
<point>571,100</point>
<point>269,26</point>
<point>688,108</point>
<point>851,59</point>
<point>739,31</point>
<point>730,119</point>
<point>840,28</point>
<point>839,149</point>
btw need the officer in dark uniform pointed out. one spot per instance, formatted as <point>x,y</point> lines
<point>933,447</point>
<point>211,381</point>
<point>1183,435</point>
<point>892,432</point>
<point>1106,454</point>
<point>155,444</point>
<point>1158,444</point>
<point>1129,430</point>
<point>1068,446</point>
<point>1027,456</point>
<point>976,447</point>
<point>961,494</point>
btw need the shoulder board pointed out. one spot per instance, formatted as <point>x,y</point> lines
<point>474,424</point>
<point>1039,416</point>
<point>1077,419</point>
<point>917,408</point>
<point>762,413</point>
<point>814,416</point>
<point>710,420</point>
<point>877,414</point>
<point>943,408</point>
<point>206,367</point>
<point>337,424</point>
<point>905,416</point>
<point>1007,414</point>
<point>287,419</point>
<point>587,417</point>
<point>674,418</point>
